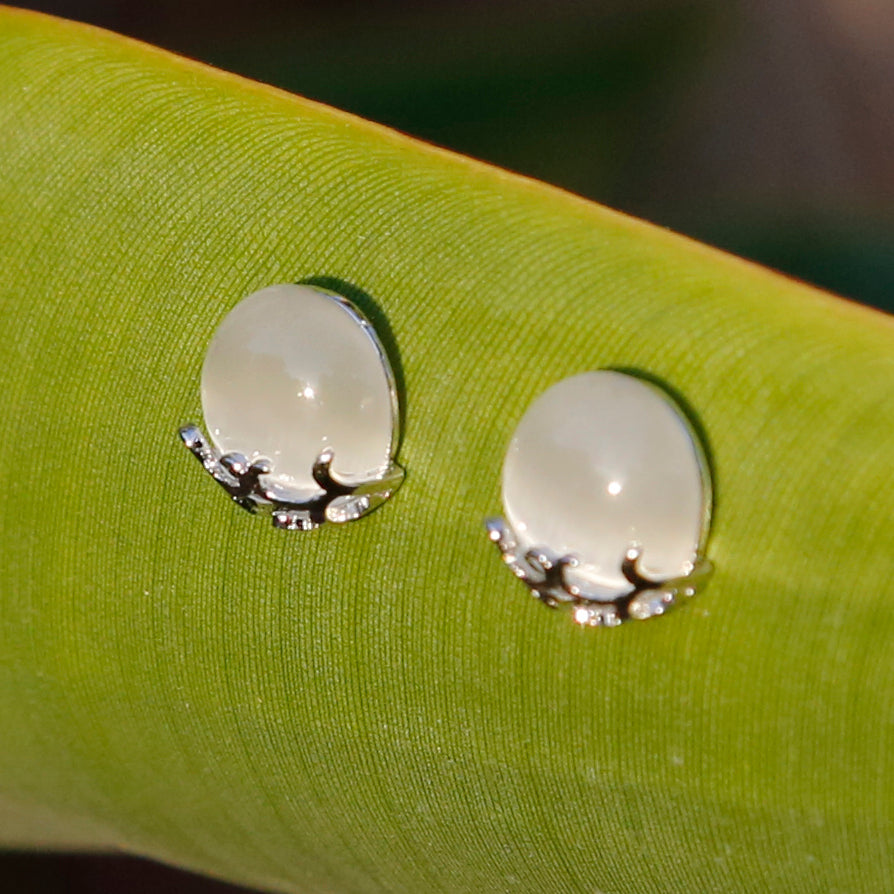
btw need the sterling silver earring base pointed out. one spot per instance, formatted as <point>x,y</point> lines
<point>606,500</point>
<point>296,384</point>
<point>338,500</point>
<point>546,576</point>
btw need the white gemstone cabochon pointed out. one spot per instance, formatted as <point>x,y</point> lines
<point>602,461</point>
<point>292,370</point>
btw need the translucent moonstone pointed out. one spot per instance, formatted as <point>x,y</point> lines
<point>291,371</point>
<point>602,461</point>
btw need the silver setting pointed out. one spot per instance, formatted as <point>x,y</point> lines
<point>546,576</point>
<point>339,500</point>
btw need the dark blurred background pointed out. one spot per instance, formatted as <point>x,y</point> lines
<point>762,126</point>
<point>765,127</point>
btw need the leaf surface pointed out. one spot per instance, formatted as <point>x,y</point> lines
<point>382,707</point>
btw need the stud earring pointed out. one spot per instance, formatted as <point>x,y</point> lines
<point>607,497</point>
<point>301,407</point>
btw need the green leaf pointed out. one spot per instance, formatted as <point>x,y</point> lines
<point>382,707</point>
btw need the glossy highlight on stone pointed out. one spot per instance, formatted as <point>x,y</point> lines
<point>293,370</point>
<point>601,462</point>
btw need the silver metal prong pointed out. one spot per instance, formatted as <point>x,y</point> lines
<point>338,500</point>
<point>546,576</point>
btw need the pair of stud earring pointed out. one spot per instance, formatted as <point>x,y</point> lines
<point>606,487</point>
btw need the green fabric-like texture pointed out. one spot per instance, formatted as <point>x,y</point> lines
<point>381,707</point>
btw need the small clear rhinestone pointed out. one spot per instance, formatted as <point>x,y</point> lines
<point>649,603</point>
